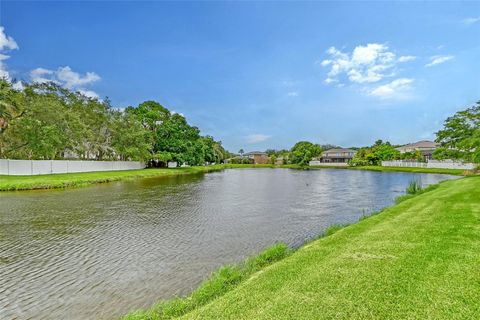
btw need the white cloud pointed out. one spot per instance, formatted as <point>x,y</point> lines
<point>6,43</point>
<point>72,79</point>
<point>471,20</point>
<point>88,93</point>
<point>67,78</point>
<point>397,89</point>
<point>292,94</point>
<point>257,137</point>
<point>406,58</point>
<point>365,64</point>
<point>18,86</point>
<point>438,60</point>
<point>41,75</point>
<point>175,112</point>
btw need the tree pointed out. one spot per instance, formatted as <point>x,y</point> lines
<point>46,121</point>
<point>241,152</point>
<point>304,151</point>
<point>181,140</point>
<point>460,137</point>
<point>130,140</point>
<point>374,155</point>
<point>10,104</point>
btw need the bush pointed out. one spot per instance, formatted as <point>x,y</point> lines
<point>240,160</point>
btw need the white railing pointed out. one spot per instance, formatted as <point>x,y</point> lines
<point>35,167</point>
<point>327,164</point>
<point>437,164</point>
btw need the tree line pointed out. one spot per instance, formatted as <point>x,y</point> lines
<point>459,139</point>
<point>46,121</point>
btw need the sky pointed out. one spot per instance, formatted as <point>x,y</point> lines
<point>259,75</point>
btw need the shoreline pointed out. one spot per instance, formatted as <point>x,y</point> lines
<point>254,291</point>
<point>81,179</point>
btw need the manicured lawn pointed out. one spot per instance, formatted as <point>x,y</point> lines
<point>50,181</point>
<point>63,180</point>
<point>417,260</point>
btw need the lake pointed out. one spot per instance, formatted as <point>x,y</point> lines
<point>101,251</point>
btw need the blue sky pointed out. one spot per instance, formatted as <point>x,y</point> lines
<point>260,75</point>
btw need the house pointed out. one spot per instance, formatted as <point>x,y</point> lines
<point>425,147</point>
<point>337,155</point>
<point>257,157</point>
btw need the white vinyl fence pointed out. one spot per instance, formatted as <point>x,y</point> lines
<point>438,164</point>
<point>327,164</point>
<point>34,167</point>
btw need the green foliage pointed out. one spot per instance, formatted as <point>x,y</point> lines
<point>460,137</point>
<point>374,155</point>
<point>11,102</point>
<point>414,187</point>
<point>304,151</point>
<point>46,121</point>
<point>268,256</point>
<point>240,160</point>
<point>413,156</point>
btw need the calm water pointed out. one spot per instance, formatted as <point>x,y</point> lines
<point>100,251</point>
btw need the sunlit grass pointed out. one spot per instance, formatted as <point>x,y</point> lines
<point>416,260</point>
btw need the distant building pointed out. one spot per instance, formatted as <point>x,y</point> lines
<point>337,155</point>
<point>425,147</point>
<point>258,157</point>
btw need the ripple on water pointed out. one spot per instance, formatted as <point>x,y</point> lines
<point>98,252</point>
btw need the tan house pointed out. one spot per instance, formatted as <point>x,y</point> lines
<point>258,157</point>
<point>425,147</point>
<point>337,155</point>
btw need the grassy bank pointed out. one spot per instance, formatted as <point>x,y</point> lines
<point>63,180</point>
<point>416,260</point>
<point>220,282</point>
<point>399,169</point>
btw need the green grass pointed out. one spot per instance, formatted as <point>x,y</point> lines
<point>417,260</point>
<point>401,169</point>
<point>220,282</point>
<point>63,180</point>
<point>408,169</point>
<point>414,187</point>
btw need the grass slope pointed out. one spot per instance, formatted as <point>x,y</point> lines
<point>51,181</point>
<point>417,260</point>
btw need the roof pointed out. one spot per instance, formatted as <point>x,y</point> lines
<point>420,144</point>
<point>255,153</point>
